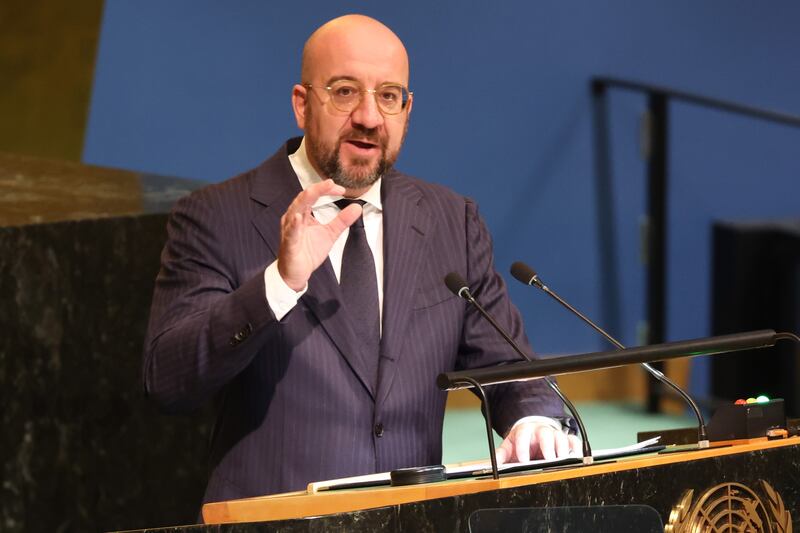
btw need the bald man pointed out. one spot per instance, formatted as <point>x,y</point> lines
<point>323,324</point>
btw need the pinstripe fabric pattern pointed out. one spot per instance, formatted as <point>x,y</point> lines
<point>296,401</point>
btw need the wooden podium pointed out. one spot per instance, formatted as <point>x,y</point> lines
<point>756,481</point>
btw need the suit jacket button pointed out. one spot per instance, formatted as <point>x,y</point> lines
<point>379,430</point>
<point>242,335</point>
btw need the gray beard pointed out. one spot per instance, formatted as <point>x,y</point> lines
<point>331,167</point>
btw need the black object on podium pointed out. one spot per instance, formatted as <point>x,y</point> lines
<point>746,421</point>
<point>756,285</point>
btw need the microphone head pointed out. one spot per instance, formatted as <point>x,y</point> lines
<point>523,273</point>
<point>456,284</point>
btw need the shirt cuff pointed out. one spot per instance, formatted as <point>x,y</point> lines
<point>280,297</point>
<point>546,420</point>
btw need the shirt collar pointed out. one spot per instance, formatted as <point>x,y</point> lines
<point>308,176</point>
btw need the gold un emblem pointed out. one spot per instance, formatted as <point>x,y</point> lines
<point>730,507</point>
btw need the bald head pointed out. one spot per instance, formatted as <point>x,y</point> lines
<point>353,38</point>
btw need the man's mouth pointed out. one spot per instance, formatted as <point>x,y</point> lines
<point>364,145</point>
<point>362,148</point>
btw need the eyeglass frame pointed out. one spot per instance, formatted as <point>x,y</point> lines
<point>373,92</point>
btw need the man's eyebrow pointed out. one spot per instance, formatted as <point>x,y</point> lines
<point>334,79</point>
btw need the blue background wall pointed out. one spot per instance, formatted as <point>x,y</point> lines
<point>502,113</point>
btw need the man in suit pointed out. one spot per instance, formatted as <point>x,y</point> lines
<point>322,327</point>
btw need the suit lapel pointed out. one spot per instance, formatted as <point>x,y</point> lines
<point>405,222</point>
<point>275,185</point>
<point>324,299</point>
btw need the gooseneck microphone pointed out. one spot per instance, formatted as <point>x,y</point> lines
<point>528,276</point>
<point>459,287</point>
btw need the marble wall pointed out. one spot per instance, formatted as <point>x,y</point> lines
<point>81,449</point>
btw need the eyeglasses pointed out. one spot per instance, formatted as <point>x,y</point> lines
<point>346,95</point>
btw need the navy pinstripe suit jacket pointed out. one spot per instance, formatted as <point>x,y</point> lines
<point>296,405</point>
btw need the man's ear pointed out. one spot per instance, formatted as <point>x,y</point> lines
<point>299,102</point>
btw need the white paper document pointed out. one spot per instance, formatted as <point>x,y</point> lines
<point>471,467</point>
<point>597,454</point>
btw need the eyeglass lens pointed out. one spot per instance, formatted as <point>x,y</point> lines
<point>346,96</point>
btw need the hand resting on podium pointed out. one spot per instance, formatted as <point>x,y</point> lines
<point>537,438</point>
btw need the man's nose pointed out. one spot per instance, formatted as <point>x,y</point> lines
<point>367,114</point>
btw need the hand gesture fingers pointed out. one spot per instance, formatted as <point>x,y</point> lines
<point>305,243</point>
<point>304,201</point>
<point>344,219</point>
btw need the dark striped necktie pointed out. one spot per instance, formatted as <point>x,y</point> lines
<point>359,286</point>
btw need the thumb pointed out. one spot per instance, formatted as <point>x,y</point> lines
<point>345,218</point>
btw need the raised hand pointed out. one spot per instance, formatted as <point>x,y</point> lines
<point>305,243</point>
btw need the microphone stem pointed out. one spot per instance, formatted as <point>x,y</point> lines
<point>497,327</point>
<point>597,328</point>
<point>587,449</point>
<point>702,437</point>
